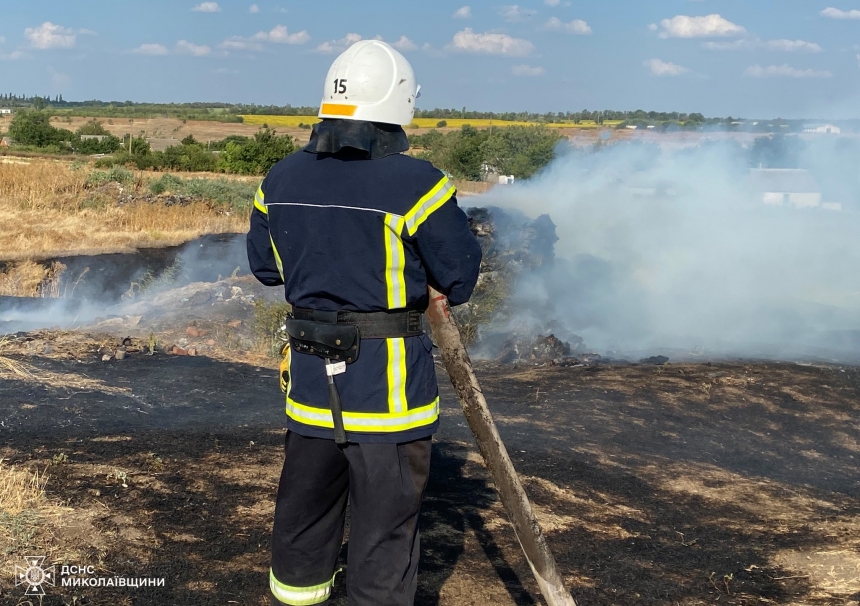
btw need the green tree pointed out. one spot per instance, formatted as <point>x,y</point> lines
<point>93,127</point>
<point>258,155</point>
<point>34,128</point>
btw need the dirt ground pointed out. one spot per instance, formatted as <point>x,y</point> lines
<point>682,484</point>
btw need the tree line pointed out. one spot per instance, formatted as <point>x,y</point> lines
<point>32,131</point>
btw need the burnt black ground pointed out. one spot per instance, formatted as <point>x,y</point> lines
<point>657,485</point>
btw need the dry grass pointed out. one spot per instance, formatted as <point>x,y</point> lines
<point>47,210</point>
<point>21,490</point>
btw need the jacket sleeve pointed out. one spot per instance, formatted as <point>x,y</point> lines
<point>450,252</point>
<point>261,252</point>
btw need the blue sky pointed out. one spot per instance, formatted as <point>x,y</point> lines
<point>751,58</point>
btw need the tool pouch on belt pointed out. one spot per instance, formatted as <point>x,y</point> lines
<point>339,342</point>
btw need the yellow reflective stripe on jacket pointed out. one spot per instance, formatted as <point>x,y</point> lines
<point>260,201</point>
<point>395,262</point>
<point>427,205</point>
<point>300,596</point>
<point>278,261</point>
<point>396,375</point>
<point>365,421</point>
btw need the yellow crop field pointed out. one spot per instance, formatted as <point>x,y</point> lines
<point>273,121</point>
<point>295,121</point>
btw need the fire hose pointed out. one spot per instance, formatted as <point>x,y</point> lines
<point>513,496</point>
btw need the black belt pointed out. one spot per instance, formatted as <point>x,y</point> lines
<point>371,325</point>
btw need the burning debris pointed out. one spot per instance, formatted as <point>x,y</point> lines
<point>491,323</point>
<point>539,350</point>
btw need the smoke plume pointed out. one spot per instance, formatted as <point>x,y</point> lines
<point>676,252</point>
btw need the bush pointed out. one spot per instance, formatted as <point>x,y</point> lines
<point>93,127</point>
<point>117,174</point>
<point>233,195</point>
<point>192,157</point>
<point>165,183</point>
<point>441,124</point>
<point>515,150</point>
<point>256,156</point>
<point>33,128</point>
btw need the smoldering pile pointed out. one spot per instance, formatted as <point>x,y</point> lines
<point>492,324</point>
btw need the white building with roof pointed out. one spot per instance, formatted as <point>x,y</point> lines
<point>786,186</point>
<point>822,129</point>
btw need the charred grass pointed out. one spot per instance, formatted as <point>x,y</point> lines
<point>651,487</point>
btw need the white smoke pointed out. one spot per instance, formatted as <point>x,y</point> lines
<point>675,252</point>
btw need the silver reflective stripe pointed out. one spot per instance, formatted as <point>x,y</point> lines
<point>418,215</point>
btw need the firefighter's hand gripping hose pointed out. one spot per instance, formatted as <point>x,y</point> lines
<point>513,496</point>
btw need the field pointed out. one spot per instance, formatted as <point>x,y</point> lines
<point>54,208</point>
<point>428,123</point>
<point>690,484</point>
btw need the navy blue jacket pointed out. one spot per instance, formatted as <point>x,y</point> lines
<point>343,232</point>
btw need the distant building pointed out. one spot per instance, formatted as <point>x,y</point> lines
<point>788,186</point>
<point>5,111</point>
<point>823,129</point>
<point>98,138</point>
<point>631,126</point>
<point>506,179</point>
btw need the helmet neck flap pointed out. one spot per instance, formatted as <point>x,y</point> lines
<point>372,140</point>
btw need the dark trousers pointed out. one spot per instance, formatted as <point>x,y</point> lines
<point>384,484</point>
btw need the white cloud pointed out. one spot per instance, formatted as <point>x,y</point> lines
<point>431,50</point>
<point>784,71</point>
<point>577,26</point>
<point>151,49</point>
<point>187,48</point>
<point>552,2</point>
<point>491,44</point>
<point>682,26</point>
<point>664,68</point>
<point>515,14</point>
<point>13,56</point>
<point>280,35</point>
<point>527,70</point>
<point>774,45</point>
<point>240,43</point>
<point>793,45</point>
<point>49,35</point>
<point>338,46</point>
<point>835,13</point>
<point>2,40</point>
<point>742,44</point>
<point>254,9</point>
<point>405,44</point>
<point>653,27</point>
<point>207,7</point>
<point>464,12</point>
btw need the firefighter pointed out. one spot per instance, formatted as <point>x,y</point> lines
<point>356,231</point>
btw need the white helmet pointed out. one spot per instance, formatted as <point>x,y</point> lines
<point>370,81</point>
